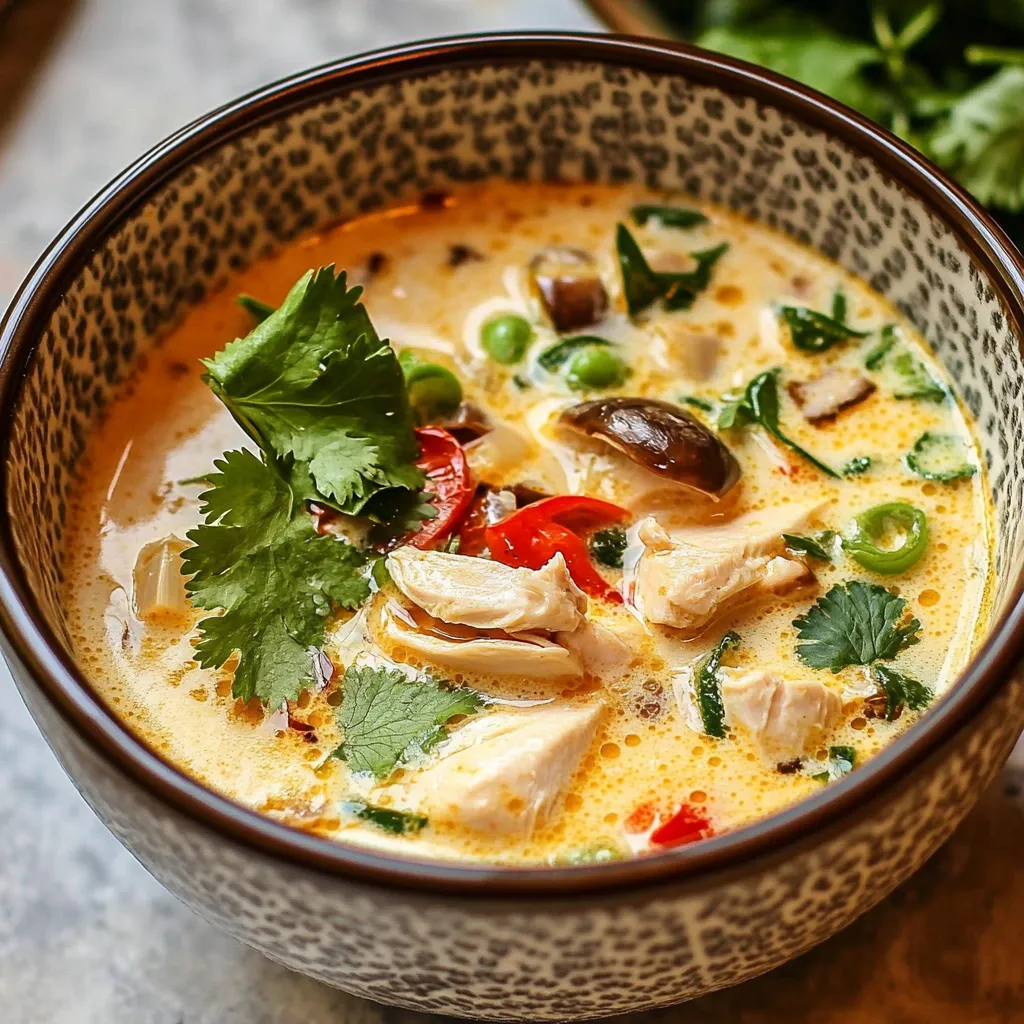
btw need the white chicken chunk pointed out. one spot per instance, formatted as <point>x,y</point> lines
<point>504,772</point>
<point>603,651</point>
<point>787,716</point>
<point>525,655</point>
<point>485,594</point>
<point>682,579</point>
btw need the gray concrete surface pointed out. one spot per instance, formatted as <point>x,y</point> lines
<point>86,936</point>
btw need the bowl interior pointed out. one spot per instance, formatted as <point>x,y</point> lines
<point>175,230</point>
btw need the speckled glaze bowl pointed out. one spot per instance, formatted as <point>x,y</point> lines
<point>478,941</point>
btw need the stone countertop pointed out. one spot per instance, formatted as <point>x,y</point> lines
<point>86,936</point>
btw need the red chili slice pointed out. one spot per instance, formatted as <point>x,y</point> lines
<point>532,536</point>
<point>687,825</point>
<point>448,477</point>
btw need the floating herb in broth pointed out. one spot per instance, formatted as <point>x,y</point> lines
<point>457,592</point>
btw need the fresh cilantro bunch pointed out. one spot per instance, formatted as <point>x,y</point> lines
<point>325,401</point>
<point>948,77</point>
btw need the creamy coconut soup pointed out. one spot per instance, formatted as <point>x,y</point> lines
<point>647,523</point>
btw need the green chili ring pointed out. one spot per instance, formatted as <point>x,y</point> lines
<point>870,525</point>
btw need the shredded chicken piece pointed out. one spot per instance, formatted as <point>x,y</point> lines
<point>485,594</point>
<point>787,716</point>
<point>682,579</point>
<point>601,650</point>
<point>504,772</point>
<point>525,655</point>
<point>823,398</point>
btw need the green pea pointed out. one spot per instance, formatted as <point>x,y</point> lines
<point>506,337</point>
<point>870,525</point>
<point>434,391</point>
<point>595,367</point>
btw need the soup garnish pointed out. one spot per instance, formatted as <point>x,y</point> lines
<point>649,523</point>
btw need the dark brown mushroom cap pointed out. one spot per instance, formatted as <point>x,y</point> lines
<point>569,286</point>
<point>662,438</point>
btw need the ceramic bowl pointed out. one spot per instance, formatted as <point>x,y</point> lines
<point>479,941</point>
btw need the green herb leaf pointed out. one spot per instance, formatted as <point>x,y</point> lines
<point>608,546</point>
<point>901,690</point>
<point>601,851</point>
<point>398,823</point>
<point>905,374</point>
<point>854,624</point>
<point>707,690</point>
<point>940,457</point>
<point>799,48</point>
<point>839,306</point>
<point>259,310</point>
<point>643,286</point>
<point>841,761</point>
<point>322,395</point>
<point>668,216</point>
<point>697,403</point>
<point>817,546</point>
<point>857,465</point>
<point>386,718</point>
<point>259,559</point>
<point>814,332</point>
<point>982,140</point>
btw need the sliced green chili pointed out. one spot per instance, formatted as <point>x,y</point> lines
<point>870,525</point>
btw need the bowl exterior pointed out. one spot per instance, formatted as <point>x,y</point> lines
<point>343,143</point>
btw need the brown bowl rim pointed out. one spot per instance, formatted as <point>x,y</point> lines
<point>39,651</point>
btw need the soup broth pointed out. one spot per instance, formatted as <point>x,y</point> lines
<point>628,624</point>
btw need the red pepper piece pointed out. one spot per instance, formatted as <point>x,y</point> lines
<point>687,825</point>
<point>448,477</point>
<point>472,539</point>
<point>530,537</point>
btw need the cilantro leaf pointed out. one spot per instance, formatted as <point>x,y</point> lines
<point>386,717</point>
<point>982,139</point>
<point>905,374</point>
<point>854,624</point>
<point>841,761</point>
<point>322,395</point>
<point>901,690</point>
<point>643,286</point>
<point>608,546</point>
<point>398,823</point>
<point>258,558</point>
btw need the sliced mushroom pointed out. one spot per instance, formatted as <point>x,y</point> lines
<point>569,286</point>
<point>467,423</point>
<point>661,437</point>
<point>524,655</point>
<point>823,398</point>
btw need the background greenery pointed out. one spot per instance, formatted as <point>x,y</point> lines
<point>947,77</point>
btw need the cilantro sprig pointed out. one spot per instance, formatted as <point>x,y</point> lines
<point>387,719</point>
<point>259,560</point>
<point>322,396</point>
<point>325,401</point>
<point>854,624</point>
